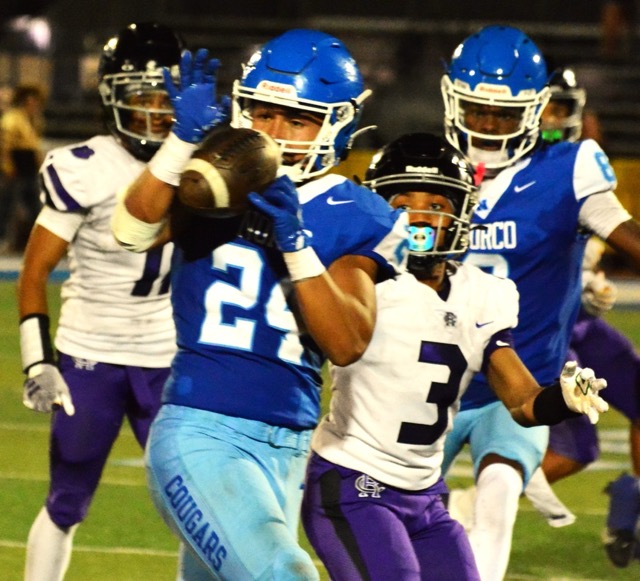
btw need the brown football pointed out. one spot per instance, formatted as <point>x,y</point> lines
<point>228,165</point>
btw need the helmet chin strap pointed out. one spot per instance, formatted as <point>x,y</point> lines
<point>422,267</point>
<point>293,172</point>
<point>488,158</point>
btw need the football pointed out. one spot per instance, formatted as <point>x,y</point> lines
<point>229,164</point>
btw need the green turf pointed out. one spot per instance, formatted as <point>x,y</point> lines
<point>123,539</point>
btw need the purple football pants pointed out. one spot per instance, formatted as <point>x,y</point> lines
<point>611,355</point>
<point>103,395</point>
<point>364,530</point>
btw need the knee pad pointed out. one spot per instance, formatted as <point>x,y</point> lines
<point>499,487</point>
<point>67,508</point>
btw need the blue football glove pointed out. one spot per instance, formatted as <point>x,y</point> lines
<point>196,109</point>
<point>280,202</point>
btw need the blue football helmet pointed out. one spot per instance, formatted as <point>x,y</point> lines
<point>423,162</point>
<point>312,71</point>
<point>498,66</point>
<point>565,90</point>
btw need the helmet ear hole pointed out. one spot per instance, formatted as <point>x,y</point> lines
<point>132,62</point>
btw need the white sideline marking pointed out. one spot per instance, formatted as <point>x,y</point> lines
<point>514,577</point>
<point>28,427</point>
<point>174,555</point>
<point>44,477</point>
<point>97,549</point>
<point>119,551</point>
<point>23,427</point>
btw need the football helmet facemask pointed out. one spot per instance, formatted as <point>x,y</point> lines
<point>137,106</point>
<point>565,90</point>
<point>311,71</point>
<point>423,162</point>
<point>498,66</point>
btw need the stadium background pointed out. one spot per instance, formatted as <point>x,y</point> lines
<point>400,47</point>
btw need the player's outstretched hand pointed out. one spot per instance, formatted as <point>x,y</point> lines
<point>195,104</point>
<point>280,202</point>
<point>599,294</point>
<point>580,389</point>
<point>46,390</point>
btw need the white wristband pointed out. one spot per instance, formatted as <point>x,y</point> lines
<point>303,264</point>
<point>169,161</point>
<point>130,232</point>
<point>35,342</point>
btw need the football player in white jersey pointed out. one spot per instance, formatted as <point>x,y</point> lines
<point>538,204</point>
<point>372,505</point>
<point>115,336</point>
<point>257,316</point>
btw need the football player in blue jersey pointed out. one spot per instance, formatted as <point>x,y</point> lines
<point>537,205</point>
<point>573,444</point>
<point>115,338</point>
<point>257,312</point>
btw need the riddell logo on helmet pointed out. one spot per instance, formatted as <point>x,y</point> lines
<point>420,169</point>
<point>271,87</point>
<point>494,89</point>
<point>503,90</point>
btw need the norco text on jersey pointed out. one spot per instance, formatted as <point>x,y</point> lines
<point>494,236</point>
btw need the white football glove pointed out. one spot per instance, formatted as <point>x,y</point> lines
<point>598,293</point>
<point>580,389</point>
<point>46,390</point>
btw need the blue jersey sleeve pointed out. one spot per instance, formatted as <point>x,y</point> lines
<point>348,219</point>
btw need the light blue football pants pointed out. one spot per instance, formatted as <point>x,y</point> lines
<point>230,489</point>
<point>491,429</point>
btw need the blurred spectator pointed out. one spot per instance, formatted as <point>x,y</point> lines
<point>617,21</point>
<point>20,155</point>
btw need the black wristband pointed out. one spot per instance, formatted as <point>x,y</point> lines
<point>549,407</point>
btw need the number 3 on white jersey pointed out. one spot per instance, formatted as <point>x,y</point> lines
<point>240,333</point>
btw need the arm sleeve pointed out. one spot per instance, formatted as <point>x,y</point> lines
<point>602,214</point>
<point>503,338</point>
<point>62,224</point>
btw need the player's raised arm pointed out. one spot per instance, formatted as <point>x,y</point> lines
<point>575,392</point>
<point>142,210</point>
<point>338,305</point>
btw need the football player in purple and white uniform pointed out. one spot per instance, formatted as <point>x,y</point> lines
<point>115,336</point>
<point>536,202</point>
<point>372,505</point>
<point>260,300</point>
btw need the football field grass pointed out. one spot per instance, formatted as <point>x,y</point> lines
<point>123,539</point>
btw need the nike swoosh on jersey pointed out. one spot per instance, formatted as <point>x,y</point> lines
<point>333,202</point>
<point>502,343</point>
<point>480,325</point>
<point>518,189</point>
